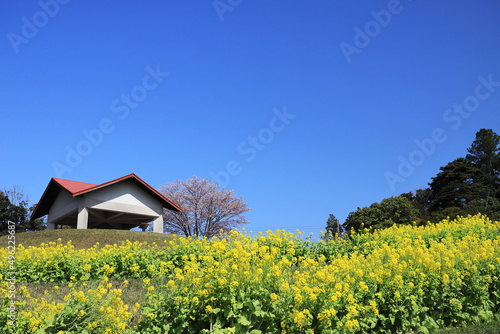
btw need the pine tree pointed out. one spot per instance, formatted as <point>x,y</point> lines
<point>333,227</point>
<point>470,185</point>
<point>458,183</point>
<point>484,153</point>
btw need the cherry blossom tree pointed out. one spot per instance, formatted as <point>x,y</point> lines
<point>207,208</point>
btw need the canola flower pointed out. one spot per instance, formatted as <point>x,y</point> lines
<point>99,310</point>
<point>404,278</point>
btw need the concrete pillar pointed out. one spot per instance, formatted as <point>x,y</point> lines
<point>158,224</point>
<point>50,224</point>
<point>83,218</point>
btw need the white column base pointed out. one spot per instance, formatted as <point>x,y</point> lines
<point>83,218</point>
<point>158,225</point>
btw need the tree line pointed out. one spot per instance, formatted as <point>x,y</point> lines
<point>466,185</point>
<point>14,208</point>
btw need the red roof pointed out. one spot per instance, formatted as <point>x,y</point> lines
<point>76,188</point>
<point>73,186</point>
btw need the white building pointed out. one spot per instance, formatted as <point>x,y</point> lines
<point>123,203</point>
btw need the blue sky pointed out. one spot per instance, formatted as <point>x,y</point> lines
<point>302,108</point>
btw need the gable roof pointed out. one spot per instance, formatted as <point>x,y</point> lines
<point>76,189</point>
<point>73,186</point>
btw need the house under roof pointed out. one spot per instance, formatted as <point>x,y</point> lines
<point>123,203</point>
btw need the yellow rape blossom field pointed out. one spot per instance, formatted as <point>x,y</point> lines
<point>404,279</point>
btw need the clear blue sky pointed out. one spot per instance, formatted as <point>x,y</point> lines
<point>312,106</point>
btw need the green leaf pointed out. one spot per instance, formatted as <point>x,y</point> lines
<point>244,321</point>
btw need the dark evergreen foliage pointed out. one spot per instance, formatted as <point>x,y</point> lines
<point>464,186</point>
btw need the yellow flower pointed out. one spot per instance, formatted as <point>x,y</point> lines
<point>352,325</point>
<point>327,315</point>
<point>107,269</point>
<point>80,296</point>
<point>301,318</point>
<point>170,284</point>
<point>363,286</point>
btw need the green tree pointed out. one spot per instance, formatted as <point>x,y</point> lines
<point>13,208</point>
<point>458,183</point>
<point>397,210</point>
<point>484,153</point>
<point>11,213</point>
<point>469,185</point>
<point>333,227</point>
<point>421,200</point>
<point>489,206</point>
<point>449,212</point>
<point>362,218</point>
<point>393,210</point>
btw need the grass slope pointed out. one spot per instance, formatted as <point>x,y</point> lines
<point>85,238</point>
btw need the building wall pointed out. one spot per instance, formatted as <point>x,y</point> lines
<point>124,196</point>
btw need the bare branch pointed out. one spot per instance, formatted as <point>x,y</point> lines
<point>207,208</point>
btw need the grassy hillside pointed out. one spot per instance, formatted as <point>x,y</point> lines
<point>85,238</point>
